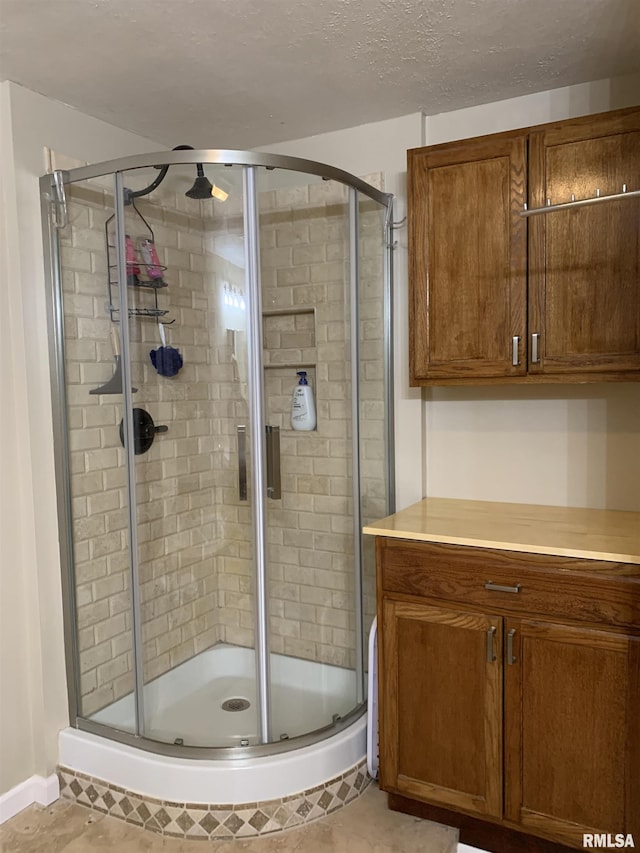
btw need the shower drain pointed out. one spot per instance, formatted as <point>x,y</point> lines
<point>236,704</point>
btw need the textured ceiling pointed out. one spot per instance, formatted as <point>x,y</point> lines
<point>246,73</point>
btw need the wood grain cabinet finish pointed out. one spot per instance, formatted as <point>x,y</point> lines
<point>584,267</point>
<point>468,256</point>
<point>494,708</point>
<point>449,750</point>
<point>571,755</point>
<point>495,297</point>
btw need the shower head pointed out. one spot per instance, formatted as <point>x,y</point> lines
<point>202,186</point>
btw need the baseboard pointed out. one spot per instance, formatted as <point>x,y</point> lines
<point>37,789</point>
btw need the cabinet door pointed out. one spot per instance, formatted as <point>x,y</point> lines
<point>441,706</point>
<point>468,254</point>
<point>584,263</point>
<point>572,719</point>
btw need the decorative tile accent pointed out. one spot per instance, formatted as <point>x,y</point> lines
<point>343,791</point>
<point>210,821</point>
<point>258,821</point>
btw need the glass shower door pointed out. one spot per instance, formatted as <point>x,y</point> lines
<point>190,420</point>
<point>306,253</point>
<point>92,462</point>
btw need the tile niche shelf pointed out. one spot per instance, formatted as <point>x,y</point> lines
<point>289,338</point>
<point>289,345</point>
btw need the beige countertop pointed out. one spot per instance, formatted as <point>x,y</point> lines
<point>564,531</point>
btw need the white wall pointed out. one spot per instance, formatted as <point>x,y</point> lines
<point>573,445</point>
<point>33,701</point>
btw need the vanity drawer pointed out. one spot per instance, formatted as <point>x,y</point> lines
<point>515,582</point>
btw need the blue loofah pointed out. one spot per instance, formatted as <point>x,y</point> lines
<point>166,360</point>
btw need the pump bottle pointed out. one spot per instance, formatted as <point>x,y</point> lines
<point>303,407</point>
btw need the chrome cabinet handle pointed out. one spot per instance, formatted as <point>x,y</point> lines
<point>515,346</point>
<point>511,658</point>
<point>242,463</point>
<point>534,348</point>
<point>491,654</point>
<point>498,587</point>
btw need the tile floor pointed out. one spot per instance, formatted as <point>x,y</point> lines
<point>364,826</point>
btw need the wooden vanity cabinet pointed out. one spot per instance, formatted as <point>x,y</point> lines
<point>442,699</point>
<point>520,708</point>
<point>570,763</point>
<point>495,297</point>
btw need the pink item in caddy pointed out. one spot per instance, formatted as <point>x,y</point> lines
<point>133,270</point>
<point>150,256</point>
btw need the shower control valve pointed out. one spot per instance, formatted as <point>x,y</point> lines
<point>144,431</point>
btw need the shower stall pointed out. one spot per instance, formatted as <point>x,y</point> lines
<point>217,589</point>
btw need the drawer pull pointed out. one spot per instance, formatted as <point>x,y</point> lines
<point>511,658</point>
<point>491,654</point>
<point>498,587</point>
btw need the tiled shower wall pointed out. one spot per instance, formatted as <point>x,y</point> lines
<point>304,242</point>
<point>195,535</point>
<point>175,480</point>
<point>305,264</point>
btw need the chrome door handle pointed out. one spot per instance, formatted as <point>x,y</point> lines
<point>498,587</point>
<point>491,653</point>
<point>511,658</point>
<point>534,348</point>
<point>242,463</point>
<point>274,486</point>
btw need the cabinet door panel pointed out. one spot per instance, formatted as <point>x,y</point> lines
<point>441,703</point>
<point>467,247</point>
<point>569,710</point>
<point>584,271</point>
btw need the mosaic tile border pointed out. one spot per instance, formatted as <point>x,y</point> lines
<point>209,822</point>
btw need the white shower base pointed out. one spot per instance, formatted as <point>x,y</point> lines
<point>185,703</point>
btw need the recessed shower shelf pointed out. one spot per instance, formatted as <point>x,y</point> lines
<point>277,312</point>
<point>291,365</point>
<point>139,312</point>
<point>290,344</point>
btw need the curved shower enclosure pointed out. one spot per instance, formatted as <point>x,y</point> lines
<point>217,589</point>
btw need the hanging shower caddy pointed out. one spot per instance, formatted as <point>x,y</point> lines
<point>138,273</point>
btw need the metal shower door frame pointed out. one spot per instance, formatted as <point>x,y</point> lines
<point>257,420</point>
<point>249,161</point>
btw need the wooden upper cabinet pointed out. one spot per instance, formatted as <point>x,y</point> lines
<point>467,245</point>
<point>584,267</point>
<point>563,287</point>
